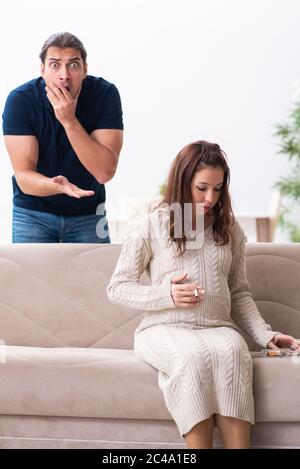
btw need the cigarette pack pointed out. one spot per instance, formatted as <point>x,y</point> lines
<point>282,352</point>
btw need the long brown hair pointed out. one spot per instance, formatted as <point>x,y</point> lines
<point>192,158</point>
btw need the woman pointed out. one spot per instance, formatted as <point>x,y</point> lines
<point>198,299</point>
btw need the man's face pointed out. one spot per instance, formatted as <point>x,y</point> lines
<point>64,67</point>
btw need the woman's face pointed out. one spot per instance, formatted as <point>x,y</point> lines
<point>206,187</point>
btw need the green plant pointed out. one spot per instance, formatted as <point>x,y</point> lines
<point>162,189</point>
<point>289,186</point>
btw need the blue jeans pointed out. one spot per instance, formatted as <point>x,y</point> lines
<point>32,226</point>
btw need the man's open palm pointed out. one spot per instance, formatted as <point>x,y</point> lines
<point>66,187</point>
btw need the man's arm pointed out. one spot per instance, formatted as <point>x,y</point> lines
<point>98,152</point>
<point>23,151</point>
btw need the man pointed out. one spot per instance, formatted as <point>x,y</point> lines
<point>63,132</point>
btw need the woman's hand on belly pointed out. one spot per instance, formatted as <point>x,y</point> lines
<point>186,295</point>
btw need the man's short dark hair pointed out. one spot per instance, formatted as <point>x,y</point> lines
<point>63,40</point>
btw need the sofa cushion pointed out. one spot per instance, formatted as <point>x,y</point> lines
<point>79,382</point>
<point>273,271</point>
<point>276,383</point>
<point>54,295</point>
<point>112,383</point>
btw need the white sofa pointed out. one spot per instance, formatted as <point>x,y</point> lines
<point>69,378</point>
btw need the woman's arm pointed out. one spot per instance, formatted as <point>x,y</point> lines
<point>124,287</point>
<point>243,308</point>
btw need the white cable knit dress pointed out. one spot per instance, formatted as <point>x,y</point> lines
<point>203,362</point>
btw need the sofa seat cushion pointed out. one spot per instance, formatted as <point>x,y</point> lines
<point>112,383</point>
<point>276,383</point>
<point>79,382</point>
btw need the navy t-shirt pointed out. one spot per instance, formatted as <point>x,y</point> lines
<point>29,112</point>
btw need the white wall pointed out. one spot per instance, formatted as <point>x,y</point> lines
<point>220,70</point>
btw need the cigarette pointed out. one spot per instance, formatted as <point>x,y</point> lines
<point>274,353</point>
<point>196,293</point>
